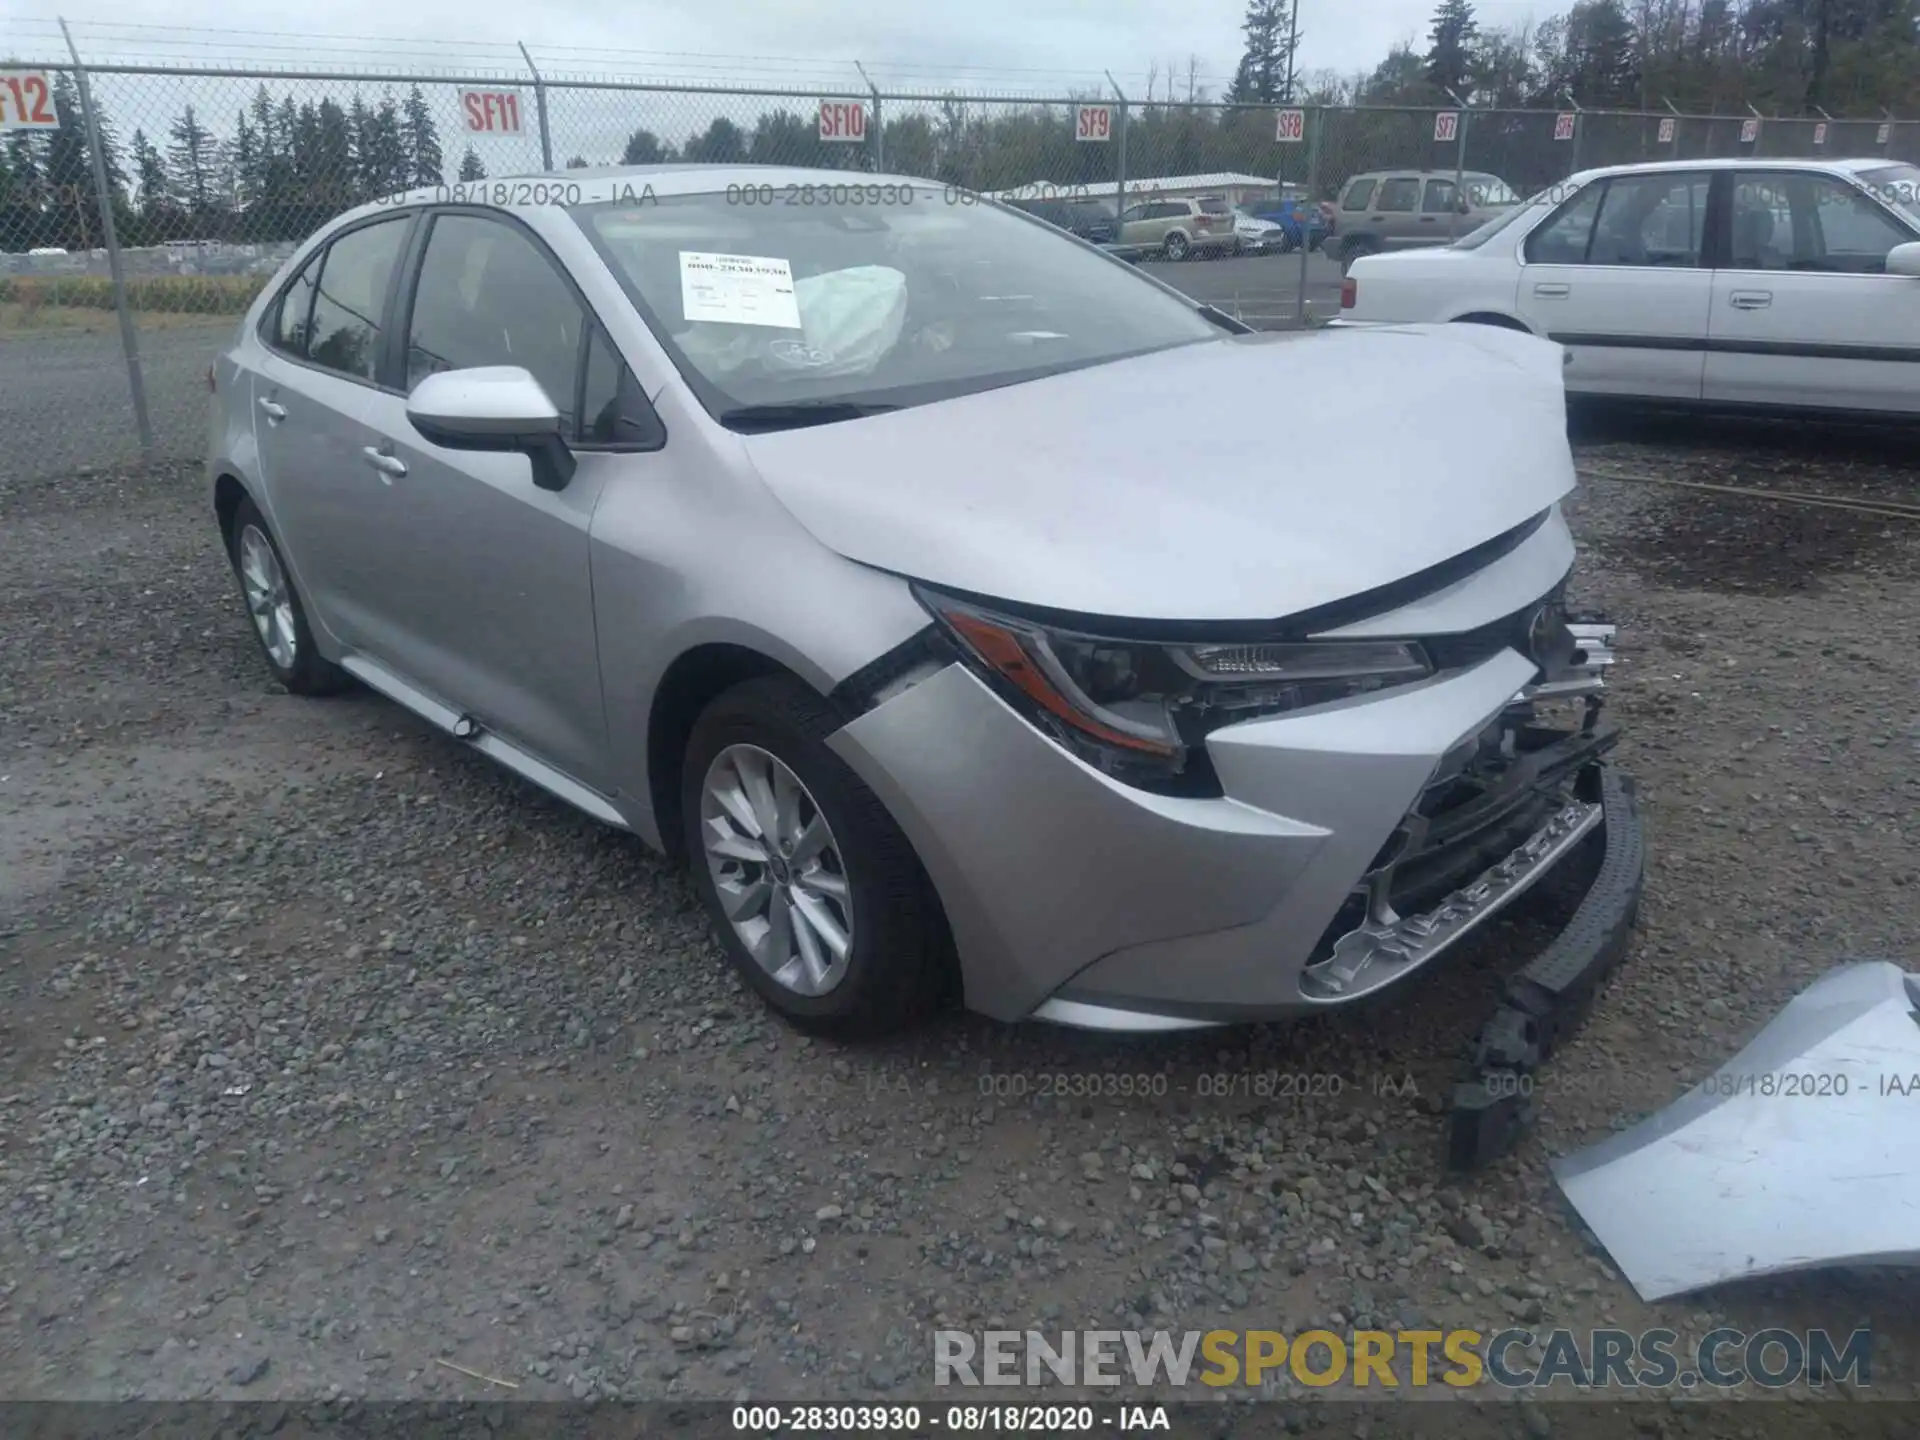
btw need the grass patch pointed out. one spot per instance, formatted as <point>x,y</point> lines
<point>33,295</point>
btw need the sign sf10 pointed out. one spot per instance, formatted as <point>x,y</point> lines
<point>843,121</point>
<point>491,112</point>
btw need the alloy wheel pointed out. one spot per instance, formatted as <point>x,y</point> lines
<point>269,600</point>
<point>777,869</point>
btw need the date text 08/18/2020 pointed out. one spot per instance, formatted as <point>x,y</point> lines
<point>961,1419</point>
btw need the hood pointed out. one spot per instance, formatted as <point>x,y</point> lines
<point>1143,488</point>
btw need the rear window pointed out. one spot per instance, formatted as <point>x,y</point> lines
<point>1213,205</point>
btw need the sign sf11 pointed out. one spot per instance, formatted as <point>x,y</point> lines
<point>491,112</point>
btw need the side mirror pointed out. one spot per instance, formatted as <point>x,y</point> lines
<point>1904,259</point>
<point>494,407</point>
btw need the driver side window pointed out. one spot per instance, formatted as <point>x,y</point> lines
<point>488,296</point>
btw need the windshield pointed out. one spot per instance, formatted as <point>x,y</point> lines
<point>1898,185</point>
<point>1546,199</point>
<point>880,295</point>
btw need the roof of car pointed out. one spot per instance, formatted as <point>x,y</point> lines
<point>1852,166</point>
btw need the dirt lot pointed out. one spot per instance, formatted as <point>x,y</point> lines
<point>329,1053</point>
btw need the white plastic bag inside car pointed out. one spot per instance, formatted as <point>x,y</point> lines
<point>849,320</point>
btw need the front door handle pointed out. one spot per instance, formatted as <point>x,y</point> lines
<point>386,464</point>
<point>1750,299</point>
<point>1553,292</point>
<point>274,413</point>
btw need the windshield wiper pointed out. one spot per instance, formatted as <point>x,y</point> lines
<point>794,414</point>
<point>1225,321</point>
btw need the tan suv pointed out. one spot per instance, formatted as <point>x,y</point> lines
<point>1399,209</point>
<point>1179,228</point>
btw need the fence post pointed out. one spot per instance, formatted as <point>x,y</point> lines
<point>878,150</point>
<point>1119,161</point>
<point>1459,169</point>
<point>540,108</point>
<point>1675,152</point>
<point>103,191</point>
<point>1319,118</point>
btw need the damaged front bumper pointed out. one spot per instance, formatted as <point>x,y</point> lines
<point>1349,846</point>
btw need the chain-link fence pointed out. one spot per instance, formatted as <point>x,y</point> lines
<point>206,179</point>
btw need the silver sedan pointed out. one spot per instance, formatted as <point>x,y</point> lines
<point>894,561</point>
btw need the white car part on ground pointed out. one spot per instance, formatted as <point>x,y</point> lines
<point>1802,1151</point>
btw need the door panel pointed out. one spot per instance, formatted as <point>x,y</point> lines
<point>1616,277</point>
<point>1804,313</point>
<point>498,585</point>
<point>329,506</point>
<point>313,389</point>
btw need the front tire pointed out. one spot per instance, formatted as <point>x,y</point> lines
<point>817,896</point>
<point>274,605</point>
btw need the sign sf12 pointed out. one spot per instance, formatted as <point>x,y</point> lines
<point>1093,123</point>
<point>26,101</point>
<point>491,112</point>
<point>843,121</point>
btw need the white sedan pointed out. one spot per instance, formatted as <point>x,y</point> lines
<point>1784,284</point>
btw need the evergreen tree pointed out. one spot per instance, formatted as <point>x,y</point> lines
<point>423,141</point>
<point>1266,65</point>
<point>644,148</point>
<point>1450,57</point>
<point>149,171</point>
<point>194,162</point>
<point>470,166</point>
<point>721,144</point>
<point>243,163</point>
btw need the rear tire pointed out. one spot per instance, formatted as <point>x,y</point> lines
<point>274,606</point>
<point>757,761</point>
<point>1175,246</point>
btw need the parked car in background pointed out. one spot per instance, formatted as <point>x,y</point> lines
<point>1403,209</point>
<point>772,545</point>
<point>1298,218</point>
<point>1086,218</point>
<point>1177,229</point>
<point>1773,283</point>
<point>1255,236</point>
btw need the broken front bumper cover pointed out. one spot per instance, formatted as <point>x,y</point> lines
<point>1546,1001</point>
<point>1802,1151</point>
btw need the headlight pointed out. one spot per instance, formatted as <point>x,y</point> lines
<point>1138,709</point>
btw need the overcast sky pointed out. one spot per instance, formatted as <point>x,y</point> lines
<point>1033,44</point>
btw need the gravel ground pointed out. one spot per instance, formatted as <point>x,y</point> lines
<point>331,1056</point>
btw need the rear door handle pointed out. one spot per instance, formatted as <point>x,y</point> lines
<point>273,412</point>
<point>1750,299</point>
<point>1553,292</point>
<point>386,464</point>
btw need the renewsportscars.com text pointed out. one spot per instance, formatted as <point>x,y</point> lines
<point>1394,1359</point>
